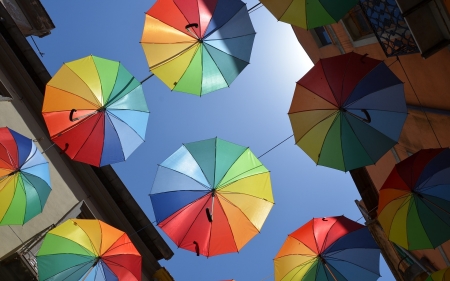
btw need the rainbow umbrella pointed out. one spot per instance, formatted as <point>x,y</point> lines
<point>95,111</point>
<point>24,179</point>
<point>441,275</point>
<point>328,249</point>
<point>197,46</point>
<point>212,196</point>
<point>309,14</point>
<point>414,203</point>
<point>348,111</point>
<point>88,250</point>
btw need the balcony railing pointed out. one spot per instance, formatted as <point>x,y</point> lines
<point>389,27</point>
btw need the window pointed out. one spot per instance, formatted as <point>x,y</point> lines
<point>321,36</point>
<point>357,25</point>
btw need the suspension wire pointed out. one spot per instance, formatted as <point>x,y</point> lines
<point>275,146</point>
<point>148,77</point>
<point>417,97</point>
<point>254,8</point>
<point>136,232</point>
<point>37,48</point>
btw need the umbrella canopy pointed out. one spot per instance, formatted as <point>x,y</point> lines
<point>348,111</point>
<point>197,46</point>
<point>88,250</point>
<point>309,14</point>
<point>24,179</point>
<point>328,249</point>
<point>211,196</point>
<point>441,275</point>
<point>95,111</point>
<point>414,203</point>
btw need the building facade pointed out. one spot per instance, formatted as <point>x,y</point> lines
<point>79,190</point>
<point>412,38</point>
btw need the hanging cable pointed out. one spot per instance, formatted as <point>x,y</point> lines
<point>275,146</point>
<point>254,8</point>
<point>267,277</point>
<point>37,48</point>
<point>417,97</point>
<point>148,77</point>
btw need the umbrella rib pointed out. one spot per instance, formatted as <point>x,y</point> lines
<point>182,209</point>
<point>351,127</point>
<point>206,187</point>
<point>357,265</point>
<point>10,203</point>
<point>224,53</point>
<point>328,83</point>
<point>323,144</point>
<point>161,63</point>
<point>193,220</point>
<point>239,211</point>
<point>25,170</point>
<point>400,82</point>
<point>241,193</point>
<point>39,197</point>
<point>292,1</point>
<point>226,38</point>
<point>84,82</point>
<point>206,49</point>
<point>67,92</point>
<point>115,116</point>
<point>229,225</point>
<point>299,267</point>
<point>235,160</point>
<point>325,118</point>
<point>326,237</point>
<point>111,100</point>
<point>114,128</point>
<point>119,265</point>
<point>65,130</point>
<point>203,172</point>
<point>12,162</point>
<point>230,182</point>
<point>214,30</point>
<point>81,266</point>
<point>85,141</point>
<point>90,240</point>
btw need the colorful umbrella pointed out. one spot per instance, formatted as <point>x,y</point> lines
<point>88,250</point>
<point>24,179</point>
<point>211,197</point>
<point>95,111</point>
<point>309,14</point>
<point>197,46</point>
<point>348,111</point>
<point>414,206</point>
<point>323,249</point>
<point>441,275</point>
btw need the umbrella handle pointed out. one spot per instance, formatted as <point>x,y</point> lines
<point>197,248</point>
<point>192,25</point>
<point>71,115</point>
<point>208,215</point>
<point>66,146</point>
<point>368,119</point>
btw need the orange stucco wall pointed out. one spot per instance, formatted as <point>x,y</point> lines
<point>428,86</point>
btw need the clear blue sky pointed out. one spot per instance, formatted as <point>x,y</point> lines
<point>252,112</point>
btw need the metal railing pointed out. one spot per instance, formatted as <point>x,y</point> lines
<point>389,27</point>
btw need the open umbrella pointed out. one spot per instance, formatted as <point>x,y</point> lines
<point>212,196</point>
<point>328,249</point>
<point>309,14</point>
<point>95,111</point>
<point>441,275</point>
<point>414,204</point>
<point>197,46</point>
<point>348,111</point>
<point>24,179</point>
<point>88,250</point>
